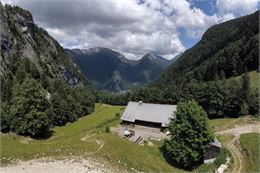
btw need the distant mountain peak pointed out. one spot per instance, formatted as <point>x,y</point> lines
<point>154,56</point>
<point>87,50</point>
<point>151,55</point>
<point>111,70</point>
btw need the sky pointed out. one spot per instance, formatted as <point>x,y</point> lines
<point>133,27</point>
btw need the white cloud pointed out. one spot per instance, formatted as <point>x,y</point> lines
<point>127,26</point>
<point>236,7</point>
<point>192,19</point>
<point>12,2</point>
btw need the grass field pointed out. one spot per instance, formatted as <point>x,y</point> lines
<point>254,78</point>
<point>87,138</point>
<point>69,141</point>
<point>250,143</point>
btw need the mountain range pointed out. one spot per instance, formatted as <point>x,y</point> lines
<point>112,71</point>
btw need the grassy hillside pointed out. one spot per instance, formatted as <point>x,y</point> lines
<point>69,141</point>
<point>80,139</point>
<point>254,78</point>
<point>250,143</point>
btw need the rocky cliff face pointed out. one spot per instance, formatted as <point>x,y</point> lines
<point>22,41</point>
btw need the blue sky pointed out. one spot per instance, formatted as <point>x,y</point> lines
<point>133,27</point>
<point>209,7</point>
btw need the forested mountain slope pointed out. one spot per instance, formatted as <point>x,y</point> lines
<point>208,72</point>
<point>112,71</point>
<point>39,81</point>
<point>225,50</point>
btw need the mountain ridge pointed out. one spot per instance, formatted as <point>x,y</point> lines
<point>117,73</point>
<point>227,49</point>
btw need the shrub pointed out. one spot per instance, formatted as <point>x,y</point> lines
<point>117,114</point>
<point>221,158</point>
<point>107,129</point>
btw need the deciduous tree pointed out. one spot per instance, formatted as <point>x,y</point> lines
<point>190,135</point>
<point>28,109</point>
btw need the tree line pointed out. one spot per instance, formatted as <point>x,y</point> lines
<point>220,98</point>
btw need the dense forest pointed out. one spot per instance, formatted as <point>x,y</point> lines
<point>40,85</point>
<point>204,72</point>
<point>221,98</point>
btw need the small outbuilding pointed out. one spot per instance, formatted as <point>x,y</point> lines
<point>213,151</point>
<point>147,114</point>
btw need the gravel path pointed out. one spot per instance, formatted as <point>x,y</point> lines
<point>57,166</point>
<point>241,129</point>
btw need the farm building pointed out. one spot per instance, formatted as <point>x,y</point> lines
<point>159,116</point>
<point>213,151</point>
<point>147,114</point>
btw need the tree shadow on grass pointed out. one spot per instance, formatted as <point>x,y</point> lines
<point>168,157</point>
<point>43,136</point>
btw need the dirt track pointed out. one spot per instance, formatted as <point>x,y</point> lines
<point>234,146</point>
<point>58,166</point>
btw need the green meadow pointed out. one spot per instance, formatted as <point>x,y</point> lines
<point>250,143</point>
<point>87,138</point>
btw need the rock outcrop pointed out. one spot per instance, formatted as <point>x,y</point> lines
<point>22,40</point>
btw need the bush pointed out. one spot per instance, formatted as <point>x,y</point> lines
<point>5,118</point>
<point>117,115</point>
<point>221,159</point>
<point>254,102</point>
<point>244,109</point>
<point>107,129</point>
<point>206,168</point>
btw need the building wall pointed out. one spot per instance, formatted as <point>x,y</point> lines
<point>148,124</point>
<point>152,125</point>
<point>212,152</point>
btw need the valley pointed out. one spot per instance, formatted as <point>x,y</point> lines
<point>112,71</point>
<point>89,94</point>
